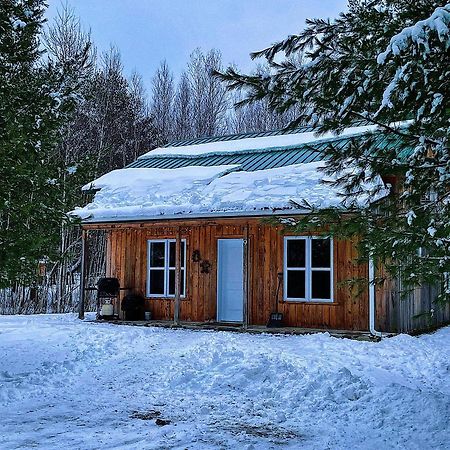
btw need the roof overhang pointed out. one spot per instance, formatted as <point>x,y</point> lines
<point>206,215</point>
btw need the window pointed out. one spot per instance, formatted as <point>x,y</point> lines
<point>430,196</point>
<point>161,268</point>
<point>308,269</point>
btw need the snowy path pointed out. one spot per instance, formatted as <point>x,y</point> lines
<point>75,385</point>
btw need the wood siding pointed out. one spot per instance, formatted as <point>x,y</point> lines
<point>398,311</point>
<point>127,260</point>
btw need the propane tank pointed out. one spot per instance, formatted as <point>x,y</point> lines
<point>107,309</point>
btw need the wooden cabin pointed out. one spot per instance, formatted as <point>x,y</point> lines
<point>187,228</point>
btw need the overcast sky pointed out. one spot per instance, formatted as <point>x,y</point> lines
<point>148,31</point>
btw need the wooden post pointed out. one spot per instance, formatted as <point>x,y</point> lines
<point>176,312</point>
<point>245,278</point>
<point>84,270</point>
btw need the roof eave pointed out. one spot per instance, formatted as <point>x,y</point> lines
<point>193,216</point>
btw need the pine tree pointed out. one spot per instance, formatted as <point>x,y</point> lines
<point>35,100</point>
<point>382,62</point>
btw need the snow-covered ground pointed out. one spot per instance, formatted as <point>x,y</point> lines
<point>80,385</point>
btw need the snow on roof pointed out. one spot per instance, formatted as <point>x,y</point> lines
<point>149,193</point>
<point>138,193</point>
<point>254,143</point>
<point>139,181</point>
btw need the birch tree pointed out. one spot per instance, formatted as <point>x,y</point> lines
<point>163,102</point>
<point>208,95</point>
<point>182,109</point>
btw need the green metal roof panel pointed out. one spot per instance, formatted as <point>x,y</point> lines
<point>256,134</point>
<point>261,159</point>
<point>232,137</point>
<point>248,162</point>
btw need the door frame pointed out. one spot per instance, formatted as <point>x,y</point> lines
<point>244,278</point>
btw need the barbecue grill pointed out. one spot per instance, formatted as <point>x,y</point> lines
<point>108,295</point>
<point>108,287</point>
<point>108,290</point>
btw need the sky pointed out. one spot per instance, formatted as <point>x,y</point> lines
<point>149,31</point>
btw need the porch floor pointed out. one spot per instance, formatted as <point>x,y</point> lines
<point>239,328</point>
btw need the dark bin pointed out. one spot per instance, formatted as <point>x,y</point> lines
<point>133,307</point>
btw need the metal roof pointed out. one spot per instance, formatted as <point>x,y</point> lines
<point>233,137</point>
<point>258,159</point>
<point>254,134</point>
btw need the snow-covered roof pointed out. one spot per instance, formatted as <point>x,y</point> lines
<point>252,143</point>
<point>148,193</point>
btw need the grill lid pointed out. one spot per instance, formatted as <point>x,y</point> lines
<point>108,287</point>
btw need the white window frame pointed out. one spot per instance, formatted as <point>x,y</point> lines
<point>166,268</point>
<point>308,270</point>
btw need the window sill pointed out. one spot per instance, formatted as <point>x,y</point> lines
<point>312,302</point>
<point>166,298</point>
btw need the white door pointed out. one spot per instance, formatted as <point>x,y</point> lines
<point>230,280</point>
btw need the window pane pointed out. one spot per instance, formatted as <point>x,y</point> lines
<point>183,287</point>
<point>157,282</point>
<point>172,250</point>
<point>172,282</point>
<point>157,253</point>
<point>321,284</point>
<point>296,284</point>
<point>320,249</point>
<point>172,254</point>
<point>296,253</point>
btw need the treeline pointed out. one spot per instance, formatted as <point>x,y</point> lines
<point>115,120</point>
<point>200,105</point>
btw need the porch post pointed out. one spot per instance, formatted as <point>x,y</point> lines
<point>245,278</point>
<point>84,270</point>
<point>176,312</point>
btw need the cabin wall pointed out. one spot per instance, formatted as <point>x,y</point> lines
<point>408,312</point>
<point>127,260</point>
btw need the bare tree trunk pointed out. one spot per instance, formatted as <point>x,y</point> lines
<point>84,266</point>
